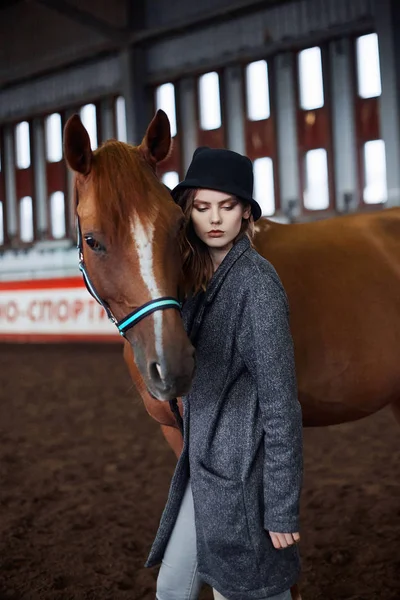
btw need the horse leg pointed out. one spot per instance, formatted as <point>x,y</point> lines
<point>396,410</point>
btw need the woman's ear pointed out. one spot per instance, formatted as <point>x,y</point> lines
<point>247,212</point>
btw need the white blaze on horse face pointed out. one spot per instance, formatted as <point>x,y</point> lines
<point>144,245</point>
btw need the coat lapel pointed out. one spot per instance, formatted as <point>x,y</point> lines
<point>205,299</point>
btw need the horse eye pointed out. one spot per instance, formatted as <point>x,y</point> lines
<point>94,244</point>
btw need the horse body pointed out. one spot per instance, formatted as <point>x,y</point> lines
<point>342,277</point>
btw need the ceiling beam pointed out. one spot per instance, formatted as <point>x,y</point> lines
<point>236,9</point>
<point>83,17</point>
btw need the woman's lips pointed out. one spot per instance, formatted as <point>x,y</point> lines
<point>215,233</point>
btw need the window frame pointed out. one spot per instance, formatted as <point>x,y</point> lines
<point>262,130</point>
<point>314,131</point>
<point>367,127</point>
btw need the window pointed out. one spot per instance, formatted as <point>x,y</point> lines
<point>170,179</point>
<point>368,69</point>
<point>165,99</point>
<point>22,145</point>
<point>375,190</point>
<point>26,219</point>
<point>88,117</point>
<point>53,138</point>
<point>210,105</point>
<point>264,184</point>
<point>310,79</point>
<point>257,91</point>
<point>316,194</point>
<point>57,212</point>
<point>121,119</point>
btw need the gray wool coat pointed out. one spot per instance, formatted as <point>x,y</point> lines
<point>242,432</point>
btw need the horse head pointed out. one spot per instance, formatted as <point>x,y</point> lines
<point>128,233</point>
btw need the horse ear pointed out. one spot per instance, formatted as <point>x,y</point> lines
<point>77,150</point>
<point>156,143</point>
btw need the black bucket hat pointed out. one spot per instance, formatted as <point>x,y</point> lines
<point>221,170</point>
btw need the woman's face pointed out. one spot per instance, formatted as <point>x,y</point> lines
<point>217,217</point>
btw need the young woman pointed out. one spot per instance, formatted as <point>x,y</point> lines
<point>231,518</point>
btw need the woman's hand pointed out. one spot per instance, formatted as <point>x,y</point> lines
<point>284,540</point>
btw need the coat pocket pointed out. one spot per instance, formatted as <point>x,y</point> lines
<point>225,550</point>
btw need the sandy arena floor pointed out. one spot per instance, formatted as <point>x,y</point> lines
<point>84,474</point>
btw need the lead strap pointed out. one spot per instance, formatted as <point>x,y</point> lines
<point>175,411</point>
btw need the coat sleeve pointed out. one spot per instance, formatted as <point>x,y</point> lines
<point>266,346</point>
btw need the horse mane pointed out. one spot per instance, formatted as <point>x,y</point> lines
<point>124,183</point>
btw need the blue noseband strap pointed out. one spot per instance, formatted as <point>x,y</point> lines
<point>145,310</point>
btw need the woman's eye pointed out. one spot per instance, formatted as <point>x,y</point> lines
<point>201,209</point>
<point>94,244</point>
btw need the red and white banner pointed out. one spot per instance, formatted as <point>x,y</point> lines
<point>52,310</point>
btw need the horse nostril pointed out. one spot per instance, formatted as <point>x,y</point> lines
<point>156,374</point>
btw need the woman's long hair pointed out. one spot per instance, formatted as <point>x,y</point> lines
<point>197,263</point>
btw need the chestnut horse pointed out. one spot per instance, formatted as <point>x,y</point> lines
<point>127,229</point>
<point>342,277</point>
